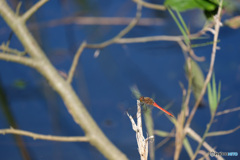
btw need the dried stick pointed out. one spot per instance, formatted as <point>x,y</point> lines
<point>44,137</point>
<point>141,141</point>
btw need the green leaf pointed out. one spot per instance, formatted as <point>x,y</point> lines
<point>214,95</point>
<point>188,147</point>
<point>219,91</point>
<point>135,91</point>
<point>214,92</point>
<point>182,26</point>
<point>148,120</point>
<point>183,5</point>
<point>161,133</point>
<point>197,78</point>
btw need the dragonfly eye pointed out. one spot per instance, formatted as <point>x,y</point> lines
<point>141,99</point>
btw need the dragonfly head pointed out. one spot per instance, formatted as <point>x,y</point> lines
<point>141,99</point>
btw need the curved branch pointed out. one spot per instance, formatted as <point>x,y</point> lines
<point>150,5</point>
<point>32,10</point>
<point>44,137</point>
<point>75,62</point>
<point>122,33</point>
<point>220,133</point>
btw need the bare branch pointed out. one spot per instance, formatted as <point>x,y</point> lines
<point>122,33</point>
<point>196,137</point>
<point>6,49</point>
<point>227,111</point>
<point>150,5</point>
<point>32,10</point>
<point>96,21</point>
<point>19,59</point>
<point>148,39</point>
<point>205,155</point>
<point>219,133</point>
<point>44,137</point>
<point>75,62</point>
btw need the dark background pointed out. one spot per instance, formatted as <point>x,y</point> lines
<point>103,83</point>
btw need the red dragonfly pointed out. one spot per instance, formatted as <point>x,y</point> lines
<point>150,101</point>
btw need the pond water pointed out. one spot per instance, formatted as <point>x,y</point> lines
<point>103,83</point>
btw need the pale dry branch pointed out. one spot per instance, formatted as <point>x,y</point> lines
<point>227,111</point>
<point>44,137</point>
<point>32,10</point>
<point>149,39</point>
<point>19,59</point>
<point>97,21</point>
<point>122,33</point>
<point>220,133</point>
<point>141,141</point>
<point>197,138</point>
<point>4,48</point>
<point>150,5</point>
<point>165,140</point>
<point>75,62</point>
<point>205,155</point>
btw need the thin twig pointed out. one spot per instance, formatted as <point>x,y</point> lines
<point>165,140</point>
<point>32,10</point>
<point>6,49</point>
<point>194,56</point>
<point>227,111</point>
<point>149,39</point>
<point>196,137</point>
<point>19,59</point>
<point>209,75</point>
<point>203,138</point>
<point>150,5</point>
<point>122,33</point>
<point>205,155</point>
<point>96,21</point>
<point>75,62</point>
<point>220,133</point>
<point>43,137</point>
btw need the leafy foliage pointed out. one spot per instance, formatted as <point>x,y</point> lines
<point>183,5</point>
<point>197,78</point>
<point>209,7</point>
<point>214,95</point>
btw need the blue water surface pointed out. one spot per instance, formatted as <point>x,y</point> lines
<point>103,83</point>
